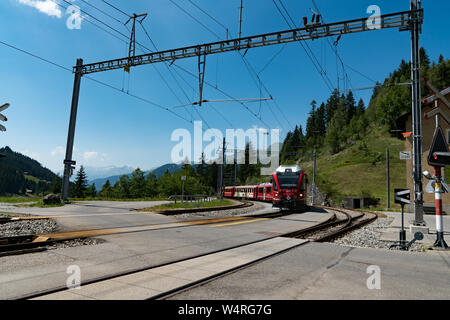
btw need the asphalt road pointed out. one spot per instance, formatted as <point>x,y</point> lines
<point>328,271</point>
<point>26,274</point>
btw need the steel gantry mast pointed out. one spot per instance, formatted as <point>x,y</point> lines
<point>416,27</point>
<point>404,19</point>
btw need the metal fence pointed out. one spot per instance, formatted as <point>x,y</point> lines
<point>192,198</point>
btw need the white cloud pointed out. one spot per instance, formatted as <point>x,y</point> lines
<point>57,151</point>
<point>90,155</point>
<point>46,6</point>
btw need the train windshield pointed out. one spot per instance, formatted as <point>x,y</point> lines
<point>288,180</point>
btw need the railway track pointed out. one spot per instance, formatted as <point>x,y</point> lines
<point>15,245</point>
<point>334,226</point>
<point>332,229</point>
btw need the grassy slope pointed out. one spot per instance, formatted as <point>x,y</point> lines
<point>34,179</point>
<point>352,173</point>
<point>17,199</point>
<point>179,205</point>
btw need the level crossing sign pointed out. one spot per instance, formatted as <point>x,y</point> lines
<point>439,155</point>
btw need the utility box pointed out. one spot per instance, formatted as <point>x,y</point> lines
<point>355,202</point>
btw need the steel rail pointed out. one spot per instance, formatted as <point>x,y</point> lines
<point>123,273</point>
<point>21,244</point>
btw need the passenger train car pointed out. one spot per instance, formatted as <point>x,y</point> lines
<point>287,189</point>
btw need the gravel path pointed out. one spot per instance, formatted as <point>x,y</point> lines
<point>369,236</point>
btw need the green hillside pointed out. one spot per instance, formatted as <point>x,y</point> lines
<point>19,173</point>
<point>351,140</point>
<point>360,170</point>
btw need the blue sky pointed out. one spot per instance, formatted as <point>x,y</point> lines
<point>115,129</point>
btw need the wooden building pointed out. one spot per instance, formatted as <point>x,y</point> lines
<point>404,123</point>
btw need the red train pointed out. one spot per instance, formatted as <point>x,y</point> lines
<point>287,189</point>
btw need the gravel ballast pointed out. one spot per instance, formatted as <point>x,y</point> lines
<point>39,226</point>
<point>27,227</point>
<point>369,235</point>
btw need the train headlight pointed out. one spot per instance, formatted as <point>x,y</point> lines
<point>300,195</point>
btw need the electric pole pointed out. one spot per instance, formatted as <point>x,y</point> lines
<point>221,166</point>
<point>415,27</point>
<point>314,177</point>
<point>132,47</point>
<point>240,20</point>
<point>68,162</point>
<point>388,184</point>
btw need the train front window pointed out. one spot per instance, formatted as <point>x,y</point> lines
<point>274,184</point>
<point>288,180</point>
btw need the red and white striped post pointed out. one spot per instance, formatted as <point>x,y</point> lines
<point>440,242</point>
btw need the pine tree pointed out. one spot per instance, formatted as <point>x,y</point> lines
<point>56,185</point>
<point>351,106</point>
<point>81,183</point>
<point>91,191</point>
<point>137,184</point>
<point>106,190</point>
<point>321,120</point>
<point>360,108</point>
<point>311,121</point>
<point>331,105</point>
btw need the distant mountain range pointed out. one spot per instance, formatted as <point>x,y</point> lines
<point>159,171</point>
<point>101,172</point>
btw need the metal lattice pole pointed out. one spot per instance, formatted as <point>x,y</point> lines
<point>416,115</point>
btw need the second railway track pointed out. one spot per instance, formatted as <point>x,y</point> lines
<point>337,224</point>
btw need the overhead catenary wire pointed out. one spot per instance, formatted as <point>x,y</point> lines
<point>102,11</point>
<point>214,19</point>
<point>85,18</point>
<point>114,7</point>
<point>343,63</point>
<point>169,70</point>
<point>246,63</point>
<point>217,36</point>
<point>198,21</point>
<point>307,49</point>
<point>95,80</point>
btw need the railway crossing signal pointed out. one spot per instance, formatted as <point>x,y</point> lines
<point>439,155</point>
